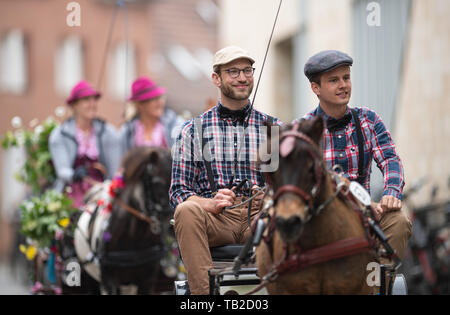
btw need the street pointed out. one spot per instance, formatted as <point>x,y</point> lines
<point>10,285</point>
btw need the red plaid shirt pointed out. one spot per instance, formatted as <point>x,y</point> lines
<point>341,147</point>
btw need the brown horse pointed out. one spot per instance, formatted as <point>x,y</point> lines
<point>315,242</point>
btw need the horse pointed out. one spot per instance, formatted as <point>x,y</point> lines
<point>315,241</point>
<point>124,233</point>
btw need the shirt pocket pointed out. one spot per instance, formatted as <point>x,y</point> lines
<point>351,152</point>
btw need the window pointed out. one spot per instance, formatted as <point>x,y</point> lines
<point>378,55</point>
<point>122,70</point>
<point>68,65</point>
<point>207,9</point>
<point>13,63</point>
<point>185,63</point>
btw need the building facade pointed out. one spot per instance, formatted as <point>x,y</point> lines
<point>48,46</point>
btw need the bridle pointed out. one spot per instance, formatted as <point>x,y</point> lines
<point>154,210</point>
<point>287,144</point>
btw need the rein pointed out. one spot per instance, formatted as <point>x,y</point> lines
<point>138,214</point>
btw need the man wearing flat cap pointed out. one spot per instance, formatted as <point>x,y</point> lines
<point>355,136</point>
<point>215,152</point>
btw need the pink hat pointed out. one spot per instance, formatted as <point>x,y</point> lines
<point>81,90</point>
<point>144,89</point>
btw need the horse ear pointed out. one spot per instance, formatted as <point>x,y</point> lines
<point>153,157</point>
<point>316,129</point>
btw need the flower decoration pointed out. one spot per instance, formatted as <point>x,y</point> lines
<point>43,216</point>
<point>116,184</point>
<point>29,251</point>
<point>37,172</point>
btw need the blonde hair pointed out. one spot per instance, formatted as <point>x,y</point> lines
<point>130,111</point>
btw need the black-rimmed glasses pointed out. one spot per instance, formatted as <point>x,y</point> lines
<point>235,72</point>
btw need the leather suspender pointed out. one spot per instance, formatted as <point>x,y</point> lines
<point>359,135</point>
<point>209,172</point>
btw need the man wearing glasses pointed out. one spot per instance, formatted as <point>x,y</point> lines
<point>215,152</point>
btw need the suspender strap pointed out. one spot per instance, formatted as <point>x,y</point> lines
<point>359,135</point>
<point>209,172</point>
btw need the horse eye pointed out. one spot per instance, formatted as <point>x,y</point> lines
<point>312,169</point>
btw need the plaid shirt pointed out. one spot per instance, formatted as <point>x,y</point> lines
<point>223,137</point>
<point>341,147</point>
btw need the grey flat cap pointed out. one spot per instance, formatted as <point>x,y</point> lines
<point>326,61</point>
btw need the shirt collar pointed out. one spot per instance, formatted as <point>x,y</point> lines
<point>319,111</point>
<point>221,107</point>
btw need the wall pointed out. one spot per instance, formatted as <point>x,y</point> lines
<point>423,120</point>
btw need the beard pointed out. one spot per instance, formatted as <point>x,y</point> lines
<point>229,92</point>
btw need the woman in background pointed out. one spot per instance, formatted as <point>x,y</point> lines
<point>150,122</point>
<point>84,149</point>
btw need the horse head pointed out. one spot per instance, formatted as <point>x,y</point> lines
<point>146,179</point>
<point>297,181</point>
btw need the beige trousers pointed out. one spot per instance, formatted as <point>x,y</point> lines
<point>398,228</point>
<point>197,230</point>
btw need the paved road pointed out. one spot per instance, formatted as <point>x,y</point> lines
<point>9,285</point>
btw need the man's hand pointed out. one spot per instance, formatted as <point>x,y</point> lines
<point>387,204</point>
<point>223,198</point>
<point>257,200</point>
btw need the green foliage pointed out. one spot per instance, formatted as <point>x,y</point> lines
<point>47,210</point>
<point>42,216</point>
<point>37,171</point>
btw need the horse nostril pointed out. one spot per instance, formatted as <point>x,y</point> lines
<point>279,223</point>
<point>294,221</point>
<point>288,225</point>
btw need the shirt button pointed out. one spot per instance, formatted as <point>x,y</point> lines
<point>341,155</point>
<point>340,137</point>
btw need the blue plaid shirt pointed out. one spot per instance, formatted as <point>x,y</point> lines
<point>223,138</point>
<point>341,147</point>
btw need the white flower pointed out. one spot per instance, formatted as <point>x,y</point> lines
<point>20,136</point>
<point>16,122</point>
<point>38,129</point>
<point>60,111</point>
<point>54,206</point>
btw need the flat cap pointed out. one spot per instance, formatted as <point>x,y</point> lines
<point>229,54</point>
<point>326,61</point>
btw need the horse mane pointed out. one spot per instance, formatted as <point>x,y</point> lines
<point>136,160</point>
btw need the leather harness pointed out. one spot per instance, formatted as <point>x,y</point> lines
<point>301,259</point>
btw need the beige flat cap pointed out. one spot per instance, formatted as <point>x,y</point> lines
<point>230,53</point>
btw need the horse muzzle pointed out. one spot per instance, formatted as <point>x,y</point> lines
<point>289,228</point>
